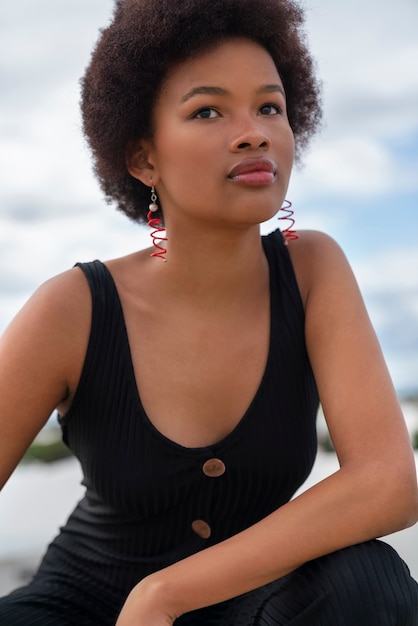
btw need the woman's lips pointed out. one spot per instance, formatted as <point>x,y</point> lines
<point>254,171</point>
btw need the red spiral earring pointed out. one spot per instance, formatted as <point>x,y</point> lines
<point>156,224</point>
<point>289,233</point>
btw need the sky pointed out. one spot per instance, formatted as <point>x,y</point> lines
<point>359,182</point>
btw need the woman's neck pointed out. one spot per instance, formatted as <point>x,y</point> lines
<point>213,265</point>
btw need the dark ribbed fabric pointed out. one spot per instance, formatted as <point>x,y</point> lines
<point>363,585</point>
<point>143,491</point>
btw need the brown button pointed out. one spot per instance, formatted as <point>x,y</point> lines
<point>214,468</point>
<point>201,528</point>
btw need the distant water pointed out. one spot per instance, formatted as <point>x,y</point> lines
<point>34,503</point>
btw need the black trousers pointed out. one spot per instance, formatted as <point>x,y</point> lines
<point>363,585</point>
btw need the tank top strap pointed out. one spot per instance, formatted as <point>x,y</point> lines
<point>102,286</point>
<point>284,287</point>
<point>106,323</point>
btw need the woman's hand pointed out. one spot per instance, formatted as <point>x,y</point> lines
<point>147,605</point>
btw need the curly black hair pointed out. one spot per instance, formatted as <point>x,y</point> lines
<point>148,37</point>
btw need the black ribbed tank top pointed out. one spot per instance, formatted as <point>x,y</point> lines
<point>149,501</point>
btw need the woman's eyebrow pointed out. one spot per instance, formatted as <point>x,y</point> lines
<point>220,91</point>
<point>273,88</point>
<point>203,89</point>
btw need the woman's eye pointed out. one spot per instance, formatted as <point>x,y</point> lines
<point>270,109</point>
<point>206,113</point>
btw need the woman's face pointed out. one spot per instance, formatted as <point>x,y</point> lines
<point>223,149</point>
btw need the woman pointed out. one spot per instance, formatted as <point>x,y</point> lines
<point>188,388</point>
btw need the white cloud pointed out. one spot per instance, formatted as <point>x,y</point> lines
<point>44,49</point>
<point>403,367</point>
<point>351,165</point>
<point>396,268</point>
<point>390,286</point>
<point>368,55</point>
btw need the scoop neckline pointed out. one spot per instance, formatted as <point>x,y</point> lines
<point>233,434</point>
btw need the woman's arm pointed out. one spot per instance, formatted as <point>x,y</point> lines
<point>374,492</point>
<point>41,355</point>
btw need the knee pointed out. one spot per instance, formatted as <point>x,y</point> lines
<point>371,583</point>
<point>358,586</point>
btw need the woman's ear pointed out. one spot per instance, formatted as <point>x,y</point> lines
<point>137,162</point>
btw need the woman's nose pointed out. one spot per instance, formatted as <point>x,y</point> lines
<point>250,137</point>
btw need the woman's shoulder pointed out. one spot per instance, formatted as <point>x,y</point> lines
<point>71,290</point>
<point>313,245</point>
<point>317,260</point>
<point>314,242</point>
<point>58,297</point>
